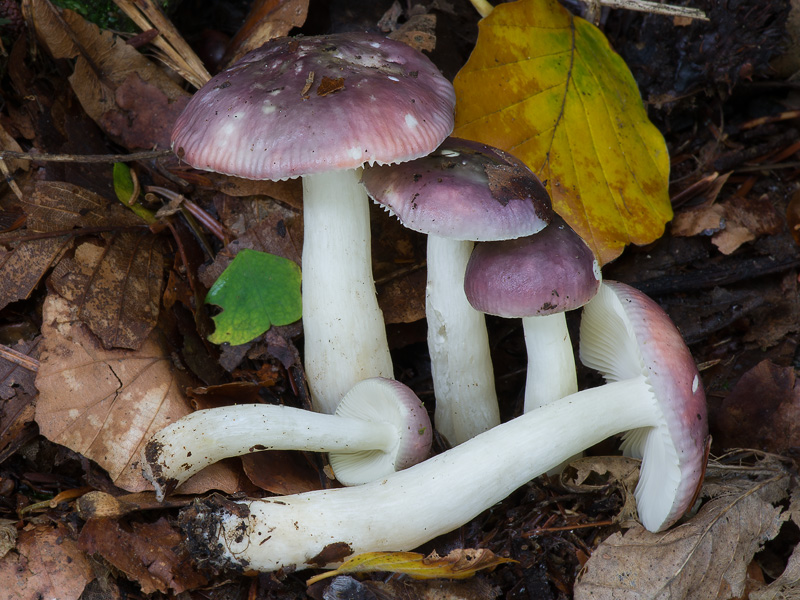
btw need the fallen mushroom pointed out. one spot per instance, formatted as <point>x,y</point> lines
<point>320,107</point>
<point>380,426</point>
<point>462,192</point>
<point>537,278</point>
<point>657,395</point>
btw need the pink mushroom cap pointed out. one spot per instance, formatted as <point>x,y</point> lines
<point>306,105</point>
<point>464,190</point>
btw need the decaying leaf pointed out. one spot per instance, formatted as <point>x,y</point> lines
<point>116,287</point>
<point>46,564</point>
<point>267,19</point>
<point>706,557</point>
<point>731,223</point>
<point>787,585</point>
<point>546,86</point>
<point>104,66</point>
<point>23,267</point>
<point>106,404</point>
<point>148,553</point>
<point>593,473</point>
<point>59,206</point>
<point>761,411</point>
<point>458,564</point>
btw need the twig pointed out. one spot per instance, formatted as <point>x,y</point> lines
<point>86,158</point>
<point>484,8</point>
<point>18,358</point>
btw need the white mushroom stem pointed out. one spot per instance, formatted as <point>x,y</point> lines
<point>551,360</point>
<point>431,498</point>
<point>207,436</point>
<point>345,336</point>
<point>461,365</point>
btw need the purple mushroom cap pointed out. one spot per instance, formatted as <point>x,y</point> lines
<point>549,272</point>
<point>305,105</point>
<point>463,190</point>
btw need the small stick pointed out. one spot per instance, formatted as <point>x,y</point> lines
<point>85,158</point>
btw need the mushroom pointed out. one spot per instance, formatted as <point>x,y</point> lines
<point>461,193</point>
<point>319,108</point>
<point>537,278</point>
<point>654,390</point>
<point>380,426</point>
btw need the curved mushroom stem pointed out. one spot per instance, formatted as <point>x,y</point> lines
<point>413,506</point>
<point>461,365</point>
<point>207,436</point>
<point>551,360</point>
<point>345,336</point>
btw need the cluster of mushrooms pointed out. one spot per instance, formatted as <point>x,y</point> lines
<point>362,117</point>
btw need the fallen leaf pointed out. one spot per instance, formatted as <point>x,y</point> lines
<point>706,557</point>
<point>104,64</point>
<point>731,223</point>
<point>106,404</point>
<point>419,32</point>
<point>255,291</point>
<point>458,564</point>
<point>115,286</point>
<point>621,472</point>
<point>267,19</point>
<point>56,206</point>
<point>18,393</point>
<point>148,553</point>
<point>47,564</point>
<point>787,584</point>
<point>545,86</point>
<point>22,268</point>
<point>761,411</point>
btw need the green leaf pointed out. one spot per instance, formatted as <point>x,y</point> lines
<point>256,291</point>
<point>127,193</point>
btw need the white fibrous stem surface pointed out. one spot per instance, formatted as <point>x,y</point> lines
<point>410,507</point>
<point>207,436</point>
<point>343,327</point>
<point>551,360</point>
<point>461,365</point>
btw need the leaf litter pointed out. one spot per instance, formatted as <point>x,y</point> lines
<point>107,377</point>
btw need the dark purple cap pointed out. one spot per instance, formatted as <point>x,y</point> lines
<point>463,190</point>
<point>549,272</point>
<point>305,105</point>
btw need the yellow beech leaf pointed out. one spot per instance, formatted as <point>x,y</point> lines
<point>547,87</point>
<point>459,564</point>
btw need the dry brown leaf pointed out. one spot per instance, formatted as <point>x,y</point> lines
<point>103,63</point>
<point>619,471</point>
<point>761,411</point>
<point>58,206</point>
<point>267,19</point>
<point>47,564</point>
<point>787,585</point>
<point>419,32</point>
<point>148,553</point>
<point>106,404</point>
<point>731,223</point>
<point>116,287</point>
<point>22,268</point>
<point>706,557</point>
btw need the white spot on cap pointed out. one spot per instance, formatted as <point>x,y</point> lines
<point>275,92</point>
<point>695,383</point>
<point>598,274</point>
<point>354,153</point>
<point>393,78</point>
<point>375,44</point>
<point>411,122</point>
<point>230,129</point>
<point>268,109</point>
